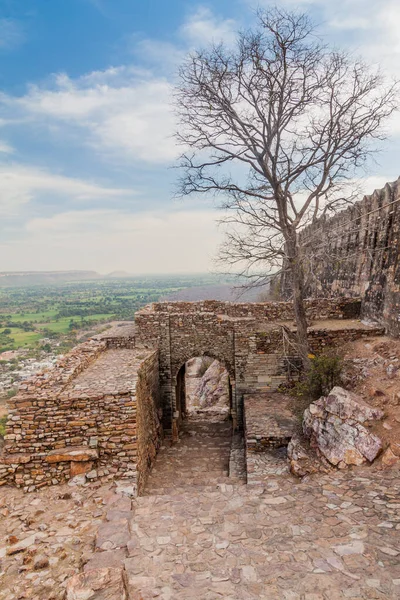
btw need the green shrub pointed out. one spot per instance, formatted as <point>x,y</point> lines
<point>324,374</point>
<point>3,421</point>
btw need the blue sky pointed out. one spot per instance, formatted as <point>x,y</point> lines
<point>86,125</point>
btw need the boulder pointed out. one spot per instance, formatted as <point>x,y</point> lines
<point>333,424</point>
<point>99,584</point>
<point>213,390</point>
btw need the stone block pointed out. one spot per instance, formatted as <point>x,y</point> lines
<point>72,454</point>
<point>80,467</point>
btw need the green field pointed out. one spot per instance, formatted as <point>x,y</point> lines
<point>59,312</point>
<point>24,338</point>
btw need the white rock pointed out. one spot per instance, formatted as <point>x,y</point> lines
<point>356,547</point>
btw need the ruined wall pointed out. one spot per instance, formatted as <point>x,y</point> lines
<point>356,253</point>
<point>249,340</point>
<point>81,418</point>
<point>148,417</point>
<point>150,318</point>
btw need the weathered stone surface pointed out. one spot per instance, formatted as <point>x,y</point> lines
<point>360,256</point>
<point>346,405</point>
<point>333,426</point>
<point>106,559</point>
<point>99,584</point>
<point>213,389</point>
<point>96,414</point>
<point>17,459</point>
<point>198,534</point>
<point>302,459</point>
<point>389,458</point>
<point>79,468</point>
<point>72,454</point>
<point>113,535</point>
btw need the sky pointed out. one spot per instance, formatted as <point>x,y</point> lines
<point>86,126</point>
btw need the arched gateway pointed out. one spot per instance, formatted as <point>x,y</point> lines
<point>103,410</point>
<point>252,341</point>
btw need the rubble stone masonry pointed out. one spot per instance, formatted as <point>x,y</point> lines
<point>81,418</point>
<point>253,341</point>
<point>101,412</point>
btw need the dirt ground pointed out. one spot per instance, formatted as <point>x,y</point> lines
<point>372,370</point>
<point>47,536</point>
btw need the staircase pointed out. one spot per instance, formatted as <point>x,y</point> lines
<point>177,526</point>
<point>198,462</point>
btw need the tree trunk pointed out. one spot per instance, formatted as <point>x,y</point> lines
<point>297,276</point>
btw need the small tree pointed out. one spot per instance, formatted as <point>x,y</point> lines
<point>276,126</point>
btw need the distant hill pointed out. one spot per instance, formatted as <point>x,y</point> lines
<point>118,275</point>
<point>27,278</point>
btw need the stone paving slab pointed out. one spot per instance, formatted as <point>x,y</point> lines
<point>332,537</point>
<point>338,537</point>
<point>114,372</point>
<point>269,421</point>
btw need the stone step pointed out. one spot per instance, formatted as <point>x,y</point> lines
<point>186,485</point>
<point>179,470</point>
<point>176,494</point>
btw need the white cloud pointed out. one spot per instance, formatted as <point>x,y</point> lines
<point>120,110</point>
<point>105,240</point>
<point>21,184</point>
<point>11,34</point>
<point>374,26</point>
<point>163,55</point>
<point>203,27</point>
<point>6,148</point>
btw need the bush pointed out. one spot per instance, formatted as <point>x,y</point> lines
<point>323,375</point>
<point>3,421</point>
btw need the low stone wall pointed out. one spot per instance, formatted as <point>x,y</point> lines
<point>320,308</point>
<point>75,421</point>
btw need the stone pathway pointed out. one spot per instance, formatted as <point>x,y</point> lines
<point>199,461</point>
<point>195,534</point>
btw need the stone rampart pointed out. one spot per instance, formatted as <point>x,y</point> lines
<point>320,308</point>
<point>356,254</point>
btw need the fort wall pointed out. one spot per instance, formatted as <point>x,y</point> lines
<point>356,253</point>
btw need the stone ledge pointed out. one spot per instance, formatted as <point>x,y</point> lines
<point>74,454</point>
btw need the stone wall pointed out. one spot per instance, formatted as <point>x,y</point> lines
<point>149,414</point>
<point>329,308</point>
<point>99,412</point>
<point>252,341</point>
<point>82,418</point>
<point>356,254</point>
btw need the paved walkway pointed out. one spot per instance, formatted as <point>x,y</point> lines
<point>195,535</point>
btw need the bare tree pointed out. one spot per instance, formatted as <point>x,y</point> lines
<point>276,126</point>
